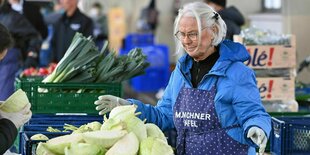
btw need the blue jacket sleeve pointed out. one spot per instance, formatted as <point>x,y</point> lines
<point>162,113</point>
<point>248,106</point>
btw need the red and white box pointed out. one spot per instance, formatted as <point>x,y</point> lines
<point>276,88</point>
<point>267,57</point>
<point>271,56</point>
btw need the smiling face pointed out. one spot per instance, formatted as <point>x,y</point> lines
<point>188,27</point>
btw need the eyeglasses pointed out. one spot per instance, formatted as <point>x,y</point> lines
<point>193,36</point>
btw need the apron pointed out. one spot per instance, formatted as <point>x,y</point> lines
<point>9,67</point>
<point>199,130</point>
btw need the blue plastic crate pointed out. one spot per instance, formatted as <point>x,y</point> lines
<point>138,39</point>
<point>40,122</point>
<point>42,128</point>
<point>28,146</point>
<point>157,74</point>
<point>290,136</point>
<point>40,119</point>
<point>151,81</point>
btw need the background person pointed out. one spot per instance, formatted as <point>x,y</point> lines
<point>231,15</point>
<point>212,98</point>
<point>100,24</point>
<point>24,53</point>
<point>32,13</point>
<point>9,122</point>
<point>72,21</point>
<point>51,17</point>
<point>148,20</point>
<point>100,20</point>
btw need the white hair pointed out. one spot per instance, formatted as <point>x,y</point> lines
<point>205,16</point>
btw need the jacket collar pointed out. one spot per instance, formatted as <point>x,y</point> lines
<point>229,52</point>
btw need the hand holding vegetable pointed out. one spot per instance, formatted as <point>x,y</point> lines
<point>18,118</point>
<point>259,137</point>
<point>106,103</point>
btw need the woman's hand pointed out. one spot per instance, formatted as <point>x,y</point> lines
<point>106,103</point>
<point>259,137</point>
<point>18,118</point>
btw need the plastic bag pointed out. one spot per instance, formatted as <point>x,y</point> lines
<point>255,36</point>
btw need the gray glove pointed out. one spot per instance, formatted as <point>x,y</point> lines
<point>106,103</point>
<point>18,118</point>
<point>259,137</point>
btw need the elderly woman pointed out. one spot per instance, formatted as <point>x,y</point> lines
<point>211,99</point>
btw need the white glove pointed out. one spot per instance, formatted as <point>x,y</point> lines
<point>18,118</point>
<point>106,103</point>
<point>259,137</point>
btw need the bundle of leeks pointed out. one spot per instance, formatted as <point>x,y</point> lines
<point>84,63</point>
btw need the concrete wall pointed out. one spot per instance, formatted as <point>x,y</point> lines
<point>297,21</point>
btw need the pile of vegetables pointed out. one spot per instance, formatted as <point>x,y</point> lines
<point>84,63</point>
<point>42,71</point>
<point>121,134</point>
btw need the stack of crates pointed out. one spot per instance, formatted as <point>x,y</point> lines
<point>39,124</point>
<point>275,69</point>
<point>157,74</point>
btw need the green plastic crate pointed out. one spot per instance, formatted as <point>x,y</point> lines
<point>47,98</point>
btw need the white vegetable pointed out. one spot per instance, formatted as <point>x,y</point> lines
<point>94,126</point>
<point>39,136</point>
<point>58,144</point>
<point>123,112</point>
<point>43,150</point>
<point>154,131</point>
<point>113,124</point>
<point>128,145</point>
<point>154,146</point>
<point>16,102</point>
<point>104,138</point>
<point>137,126</point>
<point>84,149</point>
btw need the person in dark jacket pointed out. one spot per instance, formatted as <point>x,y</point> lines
<point>100,24</point>
<point>9,122</point>
<point>231,15</point>
<point>52,17</point>
<point>32,12</point>
<point>25,51</point>
<point>72,21</point>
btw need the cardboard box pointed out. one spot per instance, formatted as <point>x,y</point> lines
<point>271,56</point>
<point>276,88</point>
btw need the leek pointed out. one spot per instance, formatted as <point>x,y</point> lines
<point>83,62</point>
